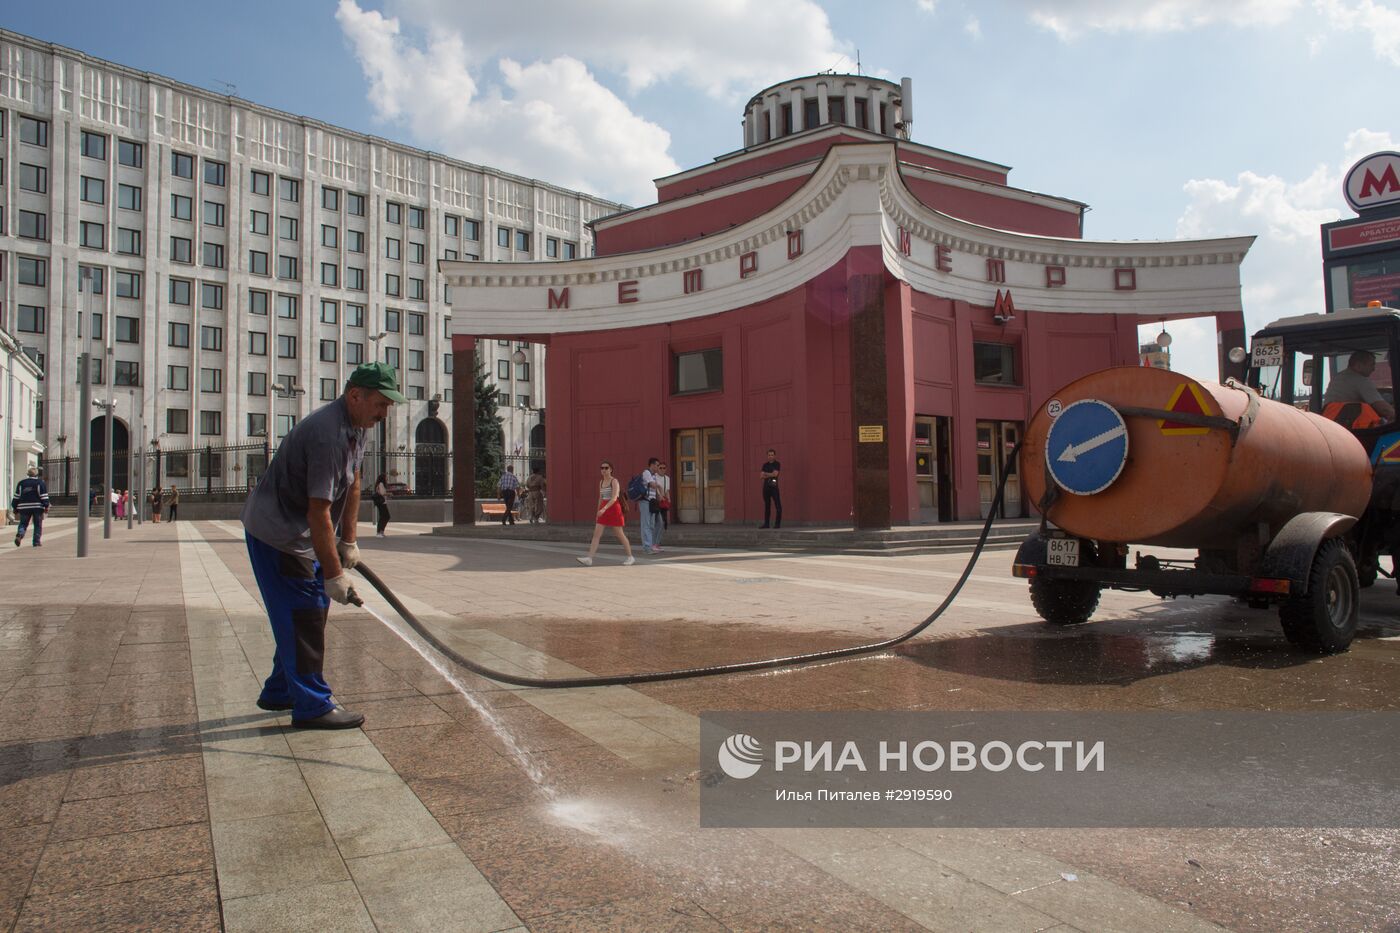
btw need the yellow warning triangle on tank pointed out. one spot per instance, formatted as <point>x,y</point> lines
<point>1391,454</point>
<point>1193,403</point>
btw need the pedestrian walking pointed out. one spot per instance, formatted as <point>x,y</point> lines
<point>508,486</point>
<point>650,521</point>
<point>534,496</point>
<point>300,523</point>
<point>31,504</point>
<point>609,514</point>
<point>663,500</point>
<point>154,500</point>
<point>771,499</point>
<point>172,499</point>
<point>114,499</point>
<point>121,504</point>
<point>381,505</point>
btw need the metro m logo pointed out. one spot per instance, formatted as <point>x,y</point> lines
<point>1374,182</point>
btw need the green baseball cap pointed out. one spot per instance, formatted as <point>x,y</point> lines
<point>379,376</point>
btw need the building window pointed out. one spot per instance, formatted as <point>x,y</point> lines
<point>391,248</point>
<point>393,213</point>
<point>522,372</point>
<point>472,229</point>
<point>128,284</point>
<point>994,364</point>
<point>211,296</point>
<point>288,189</point>
<point>503,369</point>
<point>701,371</point>
<point>522,241</point>
<point>177,421</point>
<point>287,307</point>
<point>179,334</point>
<point>181,249</point>
<point>177,378</point>
<point>503,399</point>
<point>449,254</point>
<point>181,207</point>
<point>451,225</point>
<point>354,315</point>
<point>211,338</point>
<point>257,383</point>
<point>94,146</point>
<point>181,165</point>
<point>213,213</point>
<point>330,274</point>
<point>417,323</point>
<point>96,279</point>
<point>126,373</point>
<point>33,178</point>
<point>286,228</point>
<point>257,222</point>
<point>355,278</point>
<point>128,329</point>
<point>257,303</point>
<point>416,289</point>
<point>211,423</point>
<point>415,217</point>
<point>93,190</point>
<point>31,319</point>
<point>32,131</point>
<point>570,250</point>
<point>355,241</point>
<point>330,236</point>
<point>215,173</point>
<point>33,225</point>
<point>178,464</point>
<point>285,423</point>
<point>211,380</point>
<point>95,368</point>
<point>354,354</point>
<point>503,237</point>
<point>92,235</point>
<point>327,351</point>
<point>391,356</point>
<point>96,319</point>
<point>287,267</point>
<point>257,262</point>
<point>391,284</point>
<point>391,320</point>
<point>329,311</point>
<point>551,247</point>
<point>447,363</point>
<point>179,291</point>
<point>33,271</point>
<point>128,241</point>
<point>415,361</point>
<point>129,153</point>
<point>355,204</point>
<point>328,393</point>
<point>260,182</point>
<point>257,422</point>
<point>212,255</point>
<point>128,197</point>
<point>286,347</point>
<point>257,343</point>
<point>330,199</point>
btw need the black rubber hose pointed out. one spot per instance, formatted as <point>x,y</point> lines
<point>689,672</point>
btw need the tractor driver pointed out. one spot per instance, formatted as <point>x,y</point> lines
<point>1353,385</point>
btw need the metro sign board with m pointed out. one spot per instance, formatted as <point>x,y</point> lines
<point>1374,182</point>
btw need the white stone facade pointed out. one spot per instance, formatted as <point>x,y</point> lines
<point>238,247</point>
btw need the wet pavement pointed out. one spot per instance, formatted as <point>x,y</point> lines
<point>140,788</point>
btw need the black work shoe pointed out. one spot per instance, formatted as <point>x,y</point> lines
<point>336,719</point>
<point>18,539</point>
<point>273,707</point>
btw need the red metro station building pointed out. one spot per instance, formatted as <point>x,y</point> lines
<point>882,313</point>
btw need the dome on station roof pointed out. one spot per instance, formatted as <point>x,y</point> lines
<point>800,104</point>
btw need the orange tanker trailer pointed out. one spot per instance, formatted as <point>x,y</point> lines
<point>1262,491</point>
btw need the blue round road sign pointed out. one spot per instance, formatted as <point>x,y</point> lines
<point>1087,447</point>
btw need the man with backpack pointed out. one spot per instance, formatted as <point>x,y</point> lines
<point>31,503</point>
<point>643,489</point>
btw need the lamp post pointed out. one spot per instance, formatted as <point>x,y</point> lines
<point>63,452</point>
<point>108,407</point>
<point>84,406</point>
<point>383,440</point>
<point>278,390</point>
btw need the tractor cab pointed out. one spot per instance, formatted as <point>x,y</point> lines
<point>1340,365</point>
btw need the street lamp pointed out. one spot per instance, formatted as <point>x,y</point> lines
<point>278,390</point>
<point>108,409</point>
<point>376,340</point>
<point>383,441</point>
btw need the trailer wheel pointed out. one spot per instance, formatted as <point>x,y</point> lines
<point>1324,619</point>
<point>1064,602</point>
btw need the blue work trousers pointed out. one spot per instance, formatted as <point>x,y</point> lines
<point>649,520</point>
<point>25,516</point>
<point>294,592</point>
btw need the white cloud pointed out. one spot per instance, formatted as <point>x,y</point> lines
<point>928,6</point>
<point>973,27</point>
<point>548,118</point>
<point>1366,16</point>
<point>1070,19</point>
<point>723,47</point>
<point>1282,274</point>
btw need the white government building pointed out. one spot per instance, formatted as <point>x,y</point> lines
<point>232,249</point>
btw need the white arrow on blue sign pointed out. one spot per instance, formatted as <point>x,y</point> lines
<point>1087,447</point>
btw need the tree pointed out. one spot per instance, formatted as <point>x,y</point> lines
<point>490,439</point>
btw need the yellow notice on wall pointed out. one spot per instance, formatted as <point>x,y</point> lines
<point>871,433</point>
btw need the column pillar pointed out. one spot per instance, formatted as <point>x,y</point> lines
<point>865,296</point>
<point>1230,333</point>
<point>463,429</point>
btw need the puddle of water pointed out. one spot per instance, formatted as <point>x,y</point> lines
<point>488,715</point>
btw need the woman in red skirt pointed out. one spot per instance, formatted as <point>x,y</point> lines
<point>609,515</point>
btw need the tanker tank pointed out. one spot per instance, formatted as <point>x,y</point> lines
<point>1232,462</point>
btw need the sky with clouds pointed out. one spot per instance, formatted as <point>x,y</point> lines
<point>1170,118</point>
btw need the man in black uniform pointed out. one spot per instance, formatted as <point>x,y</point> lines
<point>771,499</point>
<point>31,503</point>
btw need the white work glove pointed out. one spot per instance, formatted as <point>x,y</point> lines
<point>349,553</point>
<point>340,590</point>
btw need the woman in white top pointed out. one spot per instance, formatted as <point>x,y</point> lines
<point>609,514</point>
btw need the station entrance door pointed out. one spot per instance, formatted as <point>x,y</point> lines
<point>995,441</point>
<point>933,469</point>
<point>698,476</point>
